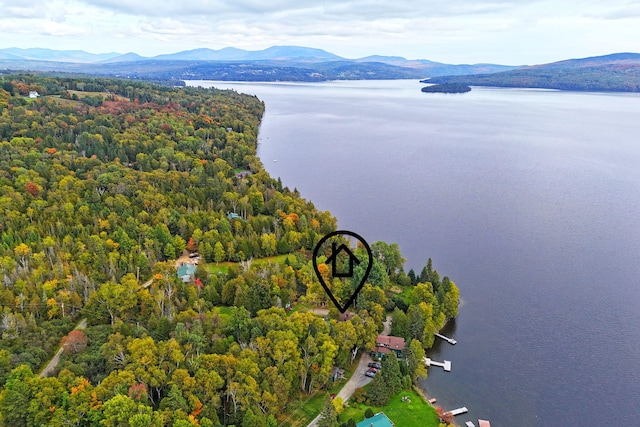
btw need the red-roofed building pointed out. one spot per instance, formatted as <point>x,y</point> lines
<point>389,344</point>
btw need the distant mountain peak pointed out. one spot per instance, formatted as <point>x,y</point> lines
<point>45,54</point>
<point>127,57</point>
<point>611,58</point>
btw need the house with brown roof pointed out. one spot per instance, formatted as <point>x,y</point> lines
<point>389,344</point>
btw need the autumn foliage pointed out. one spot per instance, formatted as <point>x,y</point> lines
<point>75,342</point>
<point>138,392</point>
<point>32,188</point>
<point>446,417</point>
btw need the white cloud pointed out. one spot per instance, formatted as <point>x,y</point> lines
<point>461,30</point>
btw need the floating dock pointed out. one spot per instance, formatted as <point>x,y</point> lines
<point>469,424</point>
<point>484,423</point>
<point>446,365</point>
<point>447,339</point>
<point>459,411</point>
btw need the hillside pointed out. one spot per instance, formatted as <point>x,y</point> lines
<point>610,73</point>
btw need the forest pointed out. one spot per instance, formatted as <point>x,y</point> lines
<point>446,88</point>
<point>104,185</point>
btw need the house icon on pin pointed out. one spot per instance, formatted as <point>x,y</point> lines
<point>334,257</point>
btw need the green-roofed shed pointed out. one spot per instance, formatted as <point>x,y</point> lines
<point>378,420</point>
<point>186,272</point>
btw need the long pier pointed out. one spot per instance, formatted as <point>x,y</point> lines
<point>446,365</point>
<point>447,339</point>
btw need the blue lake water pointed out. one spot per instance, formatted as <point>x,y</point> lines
<point>528,199</point>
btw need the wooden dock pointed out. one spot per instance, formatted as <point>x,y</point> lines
<point>447,339</point>
<point>459,411</point>
<point>446,365</point>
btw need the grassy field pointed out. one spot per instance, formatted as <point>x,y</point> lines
<point>81,94</point>
<point>413,413</point>
<point>222,310</point>
<point>223,267</point>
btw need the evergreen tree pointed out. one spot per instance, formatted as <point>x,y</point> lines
<point>390,373</point>
<point>412,275</point>
<point>328,416</point>
<point>378,392</point>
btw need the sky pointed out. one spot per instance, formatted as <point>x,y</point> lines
<point>452,31</point>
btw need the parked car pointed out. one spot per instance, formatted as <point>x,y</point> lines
<point>375,365</point>
<point>371,372</point>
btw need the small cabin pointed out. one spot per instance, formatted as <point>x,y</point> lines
<point>186,272</point>
<point>33,94</point>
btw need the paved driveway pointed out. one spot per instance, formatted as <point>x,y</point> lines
<point>358,379</point>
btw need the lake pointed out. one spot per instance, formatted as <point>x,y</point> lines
<point>529,200</point>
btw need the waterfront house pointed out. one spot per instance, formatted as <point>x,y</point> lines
<point>378,420</point>
<point>389,344</point>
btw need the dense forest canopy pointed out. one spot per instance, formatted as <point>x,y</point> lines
<point>103,185</point>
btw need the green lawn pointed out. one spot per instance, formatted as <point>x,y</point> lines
<point>416,413</point>
<point>222,310</point>
<point>223,267</point>
<point>304,411</point>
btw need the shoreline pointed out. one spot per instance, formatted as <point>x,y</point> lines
<point>416,388</point>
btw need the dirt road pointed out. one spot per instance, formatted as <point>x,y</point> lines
<point>56,358</point>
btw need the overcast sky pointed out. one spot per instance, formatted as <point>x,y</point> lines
<point>452,31</point>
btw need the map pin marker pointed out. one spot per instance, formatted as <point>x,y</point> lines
<point>341,261</point>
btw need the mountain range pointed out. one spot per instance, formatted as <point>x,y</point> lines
<point>292,63</point>
<point>614,72</point>
<point>618,72</point>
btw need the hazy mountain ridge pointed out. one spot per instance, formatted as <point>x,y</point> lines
<point>615,72</point>
<point>594,61</point>
<point>41,54</point>
<point>619,72</point>
<point>277,63</point>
